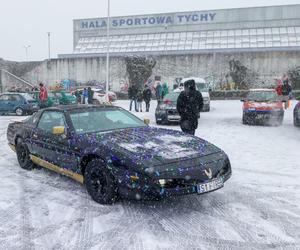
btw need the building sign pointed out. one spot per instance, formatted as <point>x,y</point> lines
<point>156,20</point>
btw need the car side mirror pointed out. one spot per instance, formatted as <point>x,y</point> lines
<point>242,100</point>
<point>283,100</point>
<point>147,121</point>
<point>58,130</point>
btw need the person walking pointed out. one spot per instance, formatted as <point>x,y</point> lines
<point>147,96</point>
<point>286,91</point>
<point>189,105</point>
<point>158,93</point>
<point>132,95</point>
<point>84,99</point>
<point>43,96</point>
<point>279,87</point>
<point>165,90</point>
<point>90,95</point>
<point>140,101</point>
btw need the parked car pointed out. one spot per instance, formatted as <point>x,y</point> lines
<point>18,103</point>
<point>114,153</point>
<point>166,112</point>
<point>203,87</point>
<point>297,115</point>
<point>51,101</point>
<point>99,95</point>
<point>263,106</point>
<point>64,98</point>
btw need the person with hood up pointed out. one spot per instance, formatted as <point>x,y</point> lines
<point>147,97</point>
<point>189,105</point>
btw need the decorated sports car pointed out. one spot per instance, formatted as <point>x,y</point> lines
<point>262,106</point>
<point>113,153</point>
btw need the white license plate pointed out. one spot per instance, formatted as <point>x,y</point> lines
<point>210,186</point>
<point>173,116</point>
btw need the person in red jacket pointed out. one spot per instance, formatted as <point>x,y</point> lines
<point>43,96</point>
<point>279,87</point>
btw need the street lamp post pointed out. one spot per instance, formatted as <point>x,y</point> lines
<point>26,47</point>
<point>107,52</point>
<point>49,55</point>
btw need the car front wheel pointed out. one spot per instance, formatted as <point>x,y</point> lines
<point>100,183</point>
<point>23,155</point>
<point>19,111</point>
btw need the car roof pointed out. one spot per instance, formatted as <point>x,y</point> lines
<point>196,79</point>
<point>79,107</point>
<point>13,93</point>
<point>271,90</point>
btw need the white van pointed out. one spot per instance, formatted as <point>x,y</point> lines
<point>203,87</point>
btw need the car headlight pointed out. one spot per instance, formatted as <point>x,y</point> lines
<point>164,182</point>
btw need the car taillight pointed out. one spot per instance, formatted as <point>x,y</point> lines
<point>167,101</point>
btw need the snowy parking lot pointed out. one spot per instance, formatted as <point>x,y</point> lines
<point>258,208</point>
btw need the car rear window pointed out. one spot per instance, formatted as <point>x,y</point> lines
<point>262,96</point>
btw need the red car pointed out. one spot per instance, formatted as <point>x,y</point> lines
<point>264,107</point>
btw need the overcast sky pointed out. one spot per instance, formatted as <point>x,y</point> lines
<point>26,22</point>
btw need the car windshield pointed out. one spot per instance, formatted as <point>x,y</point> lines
<point>50,94</point>
<point>27,96</point>
<point>262,96</point>
<point>201,86</point>
<point>172,96</point>
<point>100,120</point>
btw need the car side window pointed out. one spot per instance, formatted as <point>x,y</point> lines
<point>15,98</point>
<point>50,119</point>
<point>4,98</point>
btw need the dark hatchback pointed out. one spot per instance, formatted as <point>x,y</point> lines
<point>166,111</point>
<point>115,154</point>
<point>18,103</point>
<point>297,115</point>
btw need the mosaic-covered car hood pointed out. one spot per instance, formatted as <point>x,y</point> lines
<point>152,146</point>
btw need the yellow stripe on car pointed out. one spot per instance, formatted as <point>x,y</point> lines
<point>13,147</point>
<point>48,165</point>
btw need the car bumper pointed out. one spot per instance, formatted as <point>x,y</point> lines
<point>297,118</point>
<point>263,116</point>
<point>167,116</point>
<point>155,191</point>
<point>206,107</point>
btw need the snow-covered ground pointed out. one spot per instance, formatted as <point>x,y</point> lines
<point>258,208</point>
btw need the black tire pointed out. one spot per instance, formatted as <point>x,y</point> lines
<point>19,111</point>
<point>244,119</point>
<point>100,183</point>
<point>23,155</point>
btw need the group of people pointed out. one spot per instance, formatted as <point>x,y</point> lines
<point>86,97</point>
<point>137,96</point>
<point>284,90</point>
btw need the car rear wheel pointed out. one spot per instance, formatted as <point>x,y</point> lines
<point>23,155</point>
<point>100,183</point>
<point>19,111</point>
<point>244,119</point>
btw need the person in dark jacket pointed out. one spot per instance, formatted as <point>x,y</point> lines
<point>132,95</point>
<point>147,96</point>
<point>140,101</point>
<point>90,95</point>
<point>189,105</point>
<point>286,91</point>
